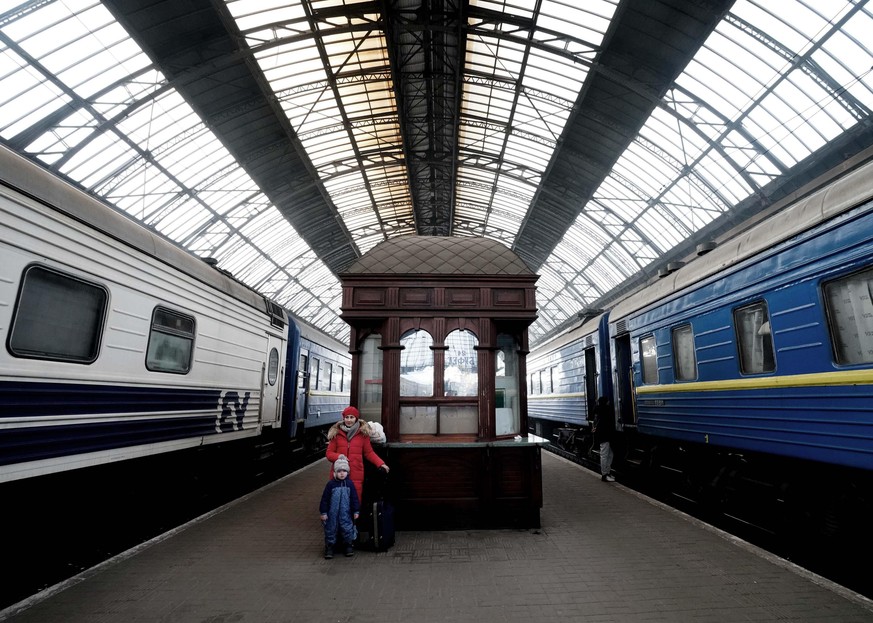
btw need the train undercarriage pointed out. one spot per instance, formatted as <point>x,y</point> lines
<point>816,515</point>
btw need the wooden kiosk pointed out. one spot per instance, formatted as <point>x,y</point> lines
<point>438,342</point>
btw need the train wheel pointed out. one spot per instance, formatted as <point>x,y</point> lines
<point>316,441</point>
<point>584,444</point>
<point>565,439</point>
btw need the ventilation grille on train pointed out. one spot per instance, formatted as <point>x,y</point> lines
<point>589,341</point>
<point>621,327</point>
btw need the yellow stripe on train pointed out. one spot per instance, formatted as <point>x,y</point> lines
<point>820,379</point>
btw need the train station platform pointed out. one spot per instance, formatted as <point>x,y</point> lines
<point>603,553</point>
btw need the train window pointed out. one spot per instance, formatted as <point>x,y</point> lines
<point>329,379</point>
<point>171,342</point>
<point>684,357</point>
<point>57,317</point>
<point>416,363</point>
<point>342,378</point>
<point>301,375</point>
<point>754,339</point>
<point>277,314</point>
<point>850,317</point>
<point>273,367</point>
<point>649,359</point>
<point>314,373</point>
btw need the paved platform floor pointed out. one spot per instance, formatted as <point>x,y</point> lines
<point>603,554</point>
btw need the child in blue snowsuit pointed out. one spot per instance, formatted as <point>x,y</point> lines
<point>339,509</point>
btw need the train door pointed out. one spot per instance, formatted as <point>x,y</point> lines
<point>591,374</point>
<point>271,392</point>
<point>623,385</point>
<point>302,406</point>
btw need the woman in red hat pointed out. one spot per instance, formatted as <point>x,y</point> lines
<point>351,437</point>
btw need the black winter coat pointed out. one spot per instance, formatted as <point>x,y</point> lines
<point>604,423</point>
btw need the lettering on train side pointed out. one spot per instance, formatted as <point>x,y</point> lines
<point>231,411</point>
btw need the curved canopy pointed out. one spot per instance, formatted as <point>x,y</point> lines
<point>599,140</point>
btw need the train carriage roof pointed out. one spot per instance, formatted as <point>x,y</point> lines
<point>600,141</point>
<point>48,190</point>
<point>844,193</point>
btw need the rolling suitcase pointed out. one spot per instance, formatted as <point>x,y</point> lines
<point>376,529</point>
<point>376,523</point>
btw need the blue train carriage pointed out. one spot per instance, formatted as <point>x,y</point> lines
<point>118,344</point>
<point>566,375</point>
<point>762,348</point>
<point>324,376</point>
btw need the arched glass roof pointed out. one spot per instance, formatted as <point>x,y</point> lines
<point>287,139</point>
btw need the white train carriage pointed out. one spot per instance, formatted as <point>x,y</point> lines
<point>118,344</point>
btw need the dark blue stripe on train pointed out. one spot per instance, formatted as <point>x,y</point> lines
<point>45,442</point>
<point>48,399</point>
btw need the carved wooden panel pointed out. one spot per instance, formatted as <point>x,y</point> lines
<point>462,297</point>
<point>508,297</point>
<point>416,297</point>
<point>442,474</point>
<point>369,297</point>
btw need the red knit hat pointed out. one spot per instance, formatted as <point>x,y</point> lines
<point>352,411</point>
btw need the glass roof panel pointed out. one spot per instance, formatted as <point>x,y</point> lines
<point>517,99</point>
<point>77,127</point>
<point>253,13</point>
<point>845,55</point>
<point>185,218</point>
<point>517,7</point>
<point>681,143</point>
<point>25,95</point>
<point>490,56</point>
<point>585,21</point>
<point>335,87</point>
<point>553,79</point>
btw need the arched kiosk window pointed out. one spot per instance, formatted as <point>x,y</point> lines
<point>460,380</point>
<point>416,363</point>
<point>506,401</point>
<point>439,385</point>
<point>461,367</point>
<point>417,381</point>
<point>370,379</point>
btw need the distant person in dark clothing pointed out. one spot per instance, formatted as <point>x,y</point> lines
<point>604,431</point>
